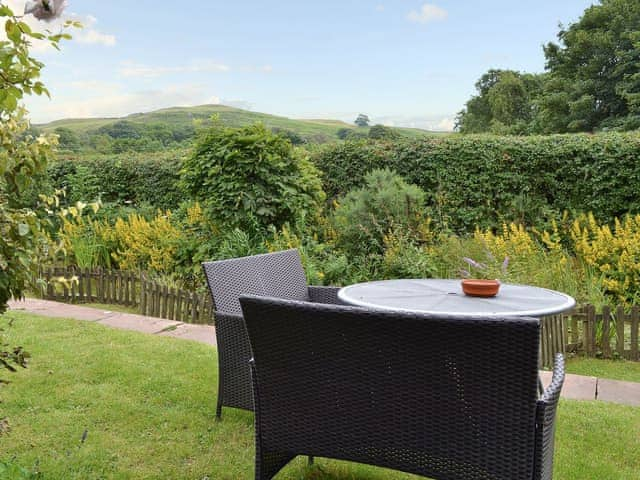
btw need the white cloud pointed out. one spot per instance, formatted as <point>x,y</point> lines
<point>427,13</point>
<point>434,123</point>
<point>86,35</point>
<point>131,69</point>
<point>90,35</point>
<point>379,8</point>
<point>445,125</point>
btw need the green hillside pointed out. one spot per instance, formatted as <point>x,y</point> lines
<point>170,126</point>
<point>181,116</point>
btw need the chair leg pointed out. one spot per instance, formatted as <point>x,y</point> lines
<point>219,405</point>
<point>219,409</point>
<point>310,459</point>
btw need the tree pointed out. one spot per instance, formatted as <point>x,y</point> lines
<point>67,139</point>
<point>380,132</point>
<point>505,103</point>
<point>362,120</point>
<point>22,234</point>
<point>251,178</point>
<point>592,81</point>
<point>596,70</point>
<point>365,215</point>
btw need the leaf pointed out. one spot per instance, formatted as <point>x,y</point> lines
<point>23,229</point>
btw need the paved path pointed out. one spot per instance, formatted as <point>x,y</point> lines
<point>126,321</point>
<point>576,387</point>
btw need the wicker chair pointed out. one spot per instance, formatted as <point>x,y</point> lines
<point>447,398</point>
<point>277,274</point>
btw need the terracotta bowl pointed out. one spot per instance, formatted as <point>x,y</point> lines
<point>480,288</point>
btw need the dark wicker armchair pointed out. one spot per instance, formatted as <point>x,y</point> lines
<point>278,274</point>
<point>447,398</point>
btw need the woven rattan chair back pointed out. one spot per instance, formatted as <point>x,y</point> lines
<point>448,398</point>
<point>278,274</point>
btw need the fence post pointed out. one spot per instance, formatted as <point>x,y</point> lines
<point>634,333</point>
<point>73,287</point>
<point>606,331</point>
<point>80,275</point>
<point>143,295</point>
<point>194,308</point>
<point>165,299</point>
<point>172,305</point>
<point>620,321</point>
<point>178,315</point>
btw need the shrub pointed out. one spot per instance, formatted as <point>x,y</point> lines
<point>484,180</point>
<point>250,178</point>
<point>85,240</point>
<point>405,257</point>
<point>147,245</point>
<point>615,253</point>
<point>380,132</point>
<point>121,180</point>
<point>364,216</point>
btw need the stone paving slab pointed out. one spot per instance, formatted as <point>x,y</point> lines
<point>60,310</point>
<point>138,323</point>
<point>199,333</point>
<point>627,393</point>
<point>576,387</point>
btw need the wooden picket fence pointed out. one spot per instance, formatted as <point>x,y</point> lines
<point>130,289</point>
<point>609,333</point>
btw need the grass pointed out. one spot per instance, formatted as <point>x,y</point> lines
<point>612,369</point>
<point>147,405</point>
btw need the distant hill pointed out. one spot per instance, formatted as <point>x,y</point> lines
<point>174,126</point>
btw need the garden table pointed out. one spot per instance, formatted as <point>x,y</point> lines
<point>445,297</point>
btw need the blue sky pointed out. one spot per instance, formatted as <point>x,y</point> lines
<point>402,62</point>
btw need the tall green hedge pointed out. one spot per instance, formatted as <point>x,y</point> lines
<point>483,180</point>
<point>127,179</point>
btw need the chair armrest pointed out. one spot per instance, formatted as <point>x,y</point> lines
<point>552,392</point>
<point>324,295</point>
<point>545,423</point>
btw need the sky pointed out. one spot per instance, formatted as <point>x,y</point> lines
<point>402,62</point>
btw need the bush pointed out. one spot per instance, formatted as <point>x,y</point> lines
<point>364,216</point>
<point>251,178</point>
<point>121,179</point>
<point>405,257</point>
<point>614,253</point>
<point>380,132</point>
<point>483,180</point>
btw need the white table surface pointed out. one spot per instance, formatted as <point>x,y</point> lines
<point>445,297</point>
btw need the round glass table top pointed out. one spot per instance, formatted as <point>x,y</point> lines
<point>445,297</point>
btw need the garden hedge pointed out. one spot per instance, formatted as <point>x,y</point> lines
<point>481,180</point>
<point>128,179</point>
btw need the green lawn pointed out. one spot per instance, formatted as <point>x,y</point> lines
<point>148,407</point>
<point>613,369</point>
